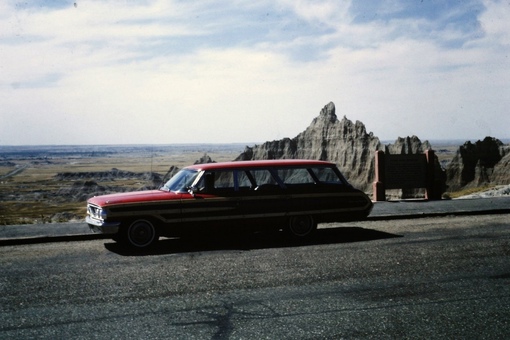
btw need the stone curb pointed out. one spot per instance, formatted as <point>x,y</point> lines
<point>438,214</point>
<point>50,239</point>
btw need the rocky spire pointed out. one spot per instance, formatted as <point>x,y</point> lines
<point>327,138</point>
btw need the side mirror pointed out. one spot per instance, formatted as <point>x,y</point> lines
<point>193,190</point>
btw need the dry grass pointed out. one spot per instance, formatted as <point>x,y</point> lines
<point>29,195</point>
<point>468,191</point>
<point>27,212</point>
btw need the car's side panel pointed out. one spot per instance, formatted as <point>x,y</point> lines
<point>258,204</point>
<point>163,211</point>
<point>325,202</point>
<point>238,197</point>
<point>204,208</point>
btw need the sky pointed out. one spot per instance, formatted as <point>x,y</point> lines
<point>164,72</point>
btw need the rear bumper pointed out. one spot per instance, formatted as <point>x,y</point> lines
<point>99,226</point>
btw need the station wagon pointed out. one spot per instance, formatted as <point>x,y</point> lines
<point>229,197</point>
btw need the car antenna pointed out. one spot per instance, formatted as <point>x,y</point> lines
<point>151,175</point>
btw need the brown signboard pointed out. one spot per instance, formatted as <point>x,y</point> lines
<point>405,171</point>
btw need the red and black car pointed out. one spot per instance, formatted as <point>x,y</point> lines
<point>293,195</point>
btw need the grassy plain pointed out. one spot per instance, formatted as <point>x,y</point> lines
<point>30,190</point>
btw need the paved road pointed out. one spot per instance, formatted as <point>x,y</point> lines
<point>381,211</point>
<point>442,278</point>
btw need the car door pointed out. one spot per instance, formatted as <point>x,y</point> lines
<point>263,197</point>
<point>216,200</point>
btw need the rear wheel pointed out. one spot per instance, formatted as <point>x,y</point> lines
<point>302,227</point>
<point>140,234</point>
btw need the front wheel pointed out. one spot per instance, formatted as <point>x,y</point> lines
<point>301,227</point>
<point>140,234</point>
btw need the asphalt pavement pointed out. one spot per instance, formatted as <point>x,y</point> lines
<point>398,209</point>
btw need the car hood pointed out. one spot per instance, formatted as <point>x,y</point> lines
<point>134,197</point>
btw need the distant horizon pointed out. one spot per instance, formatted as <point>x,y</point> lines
<point>431,141</point>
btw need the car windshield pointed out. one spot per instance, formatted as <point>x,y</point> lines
<point>181,181</point>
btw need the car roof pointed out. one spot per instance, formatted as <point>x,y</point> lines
<point>259,164</point>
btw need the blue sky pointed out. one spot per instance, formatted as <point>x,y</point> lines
<point>115,72</point>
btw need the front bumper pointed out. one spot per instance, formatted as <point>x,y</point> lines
<point>99,226</point>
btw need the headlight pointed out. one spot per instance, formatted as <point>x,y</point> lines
<point>96,212</point>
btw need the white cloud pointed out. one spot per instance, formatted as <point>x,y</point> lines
<point>318,11</point>
<point>165,72</point>
<point>494,22</point>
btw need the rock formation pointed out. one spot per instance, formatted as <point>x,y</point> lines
<point>88,184</point>
<point>111,175</point>
<point>408,145</point>
<point>340,141</point>
<point>204,159</point>
<point>482,163</point>
<point>501,173</point>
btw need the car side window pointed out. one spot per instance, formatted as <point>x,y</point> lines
<point>224,180</point>
<point>264,181</point>
<point>295,176</point>
<point>243,181</point>
<point>263,177</point>
<point>327,175</point>
<point>216,181</point>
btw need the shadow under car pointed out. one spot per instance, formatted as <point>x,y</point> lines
<point>251,241</point>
